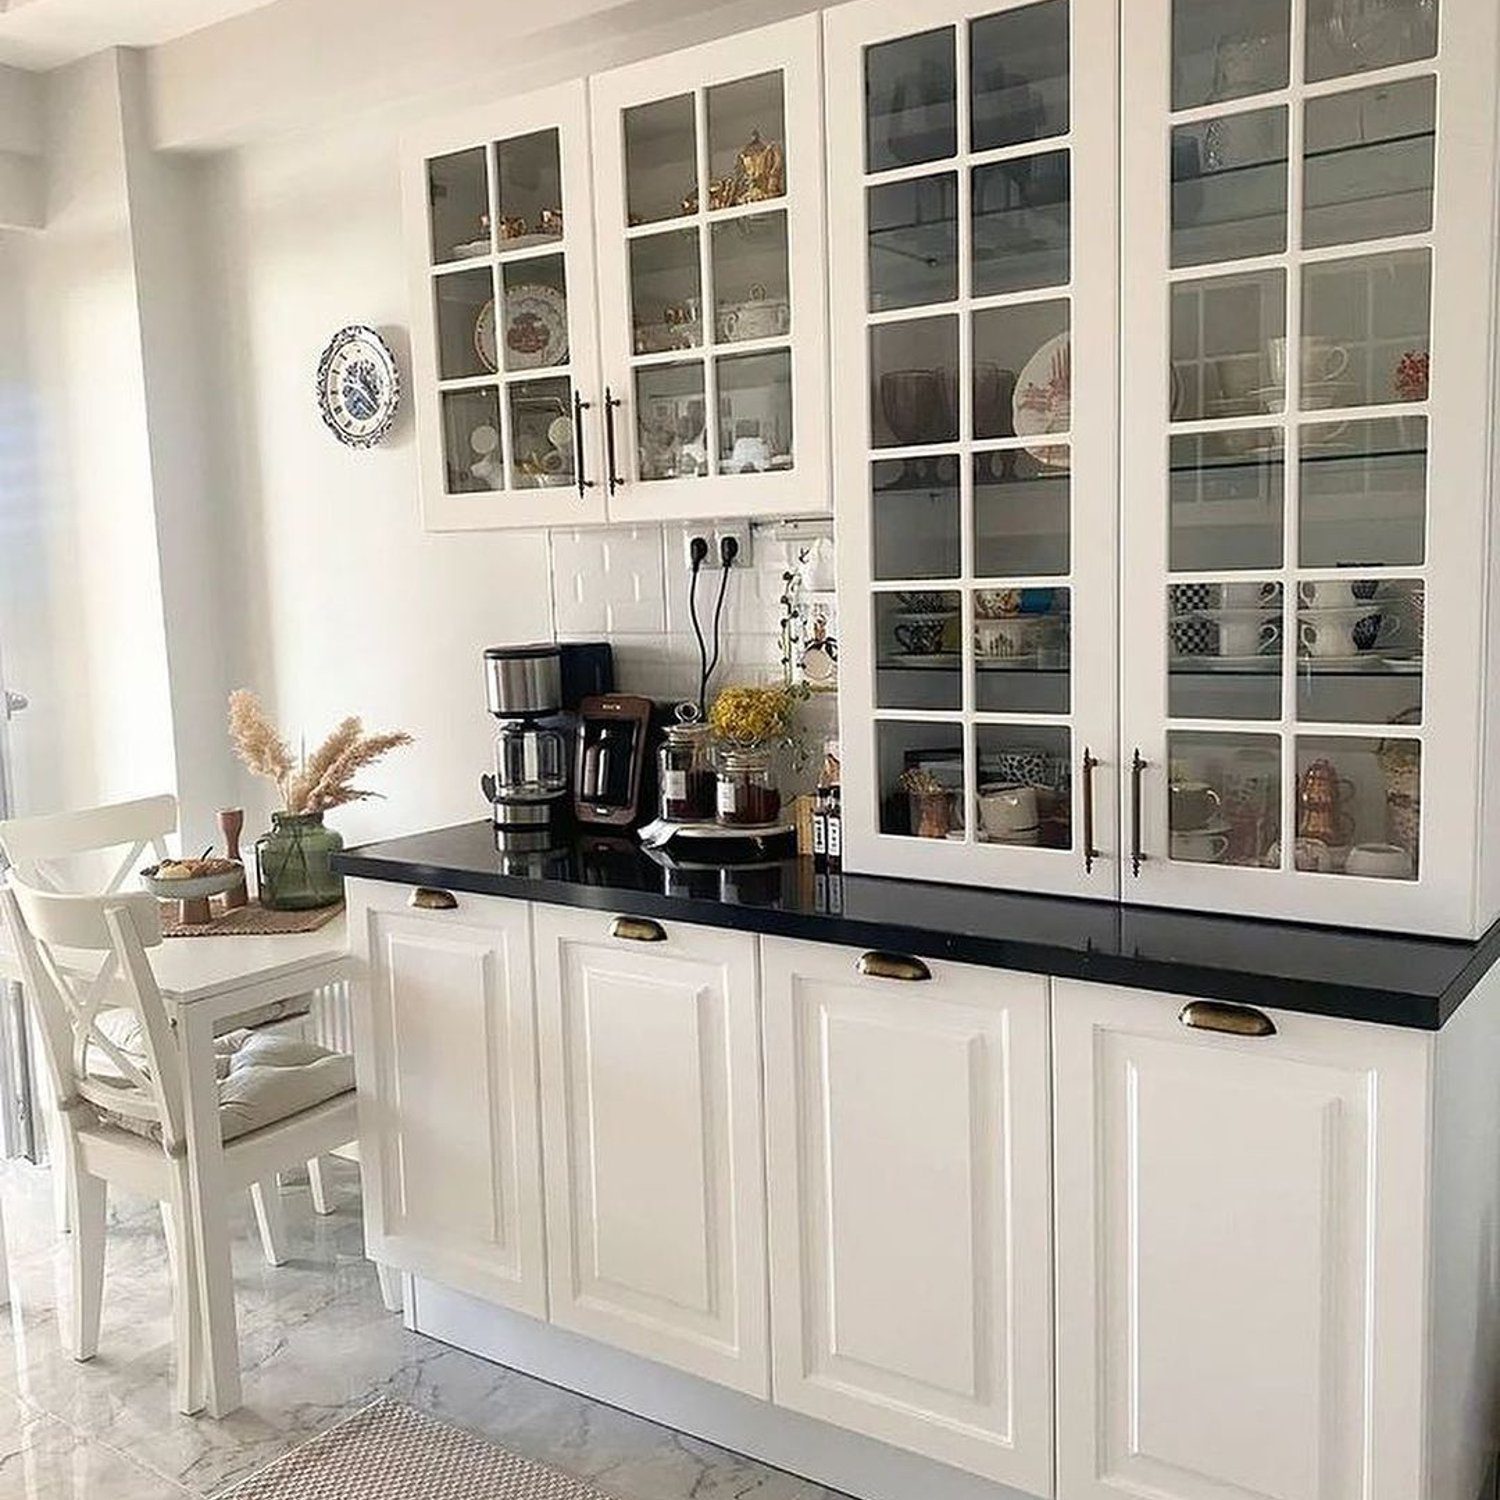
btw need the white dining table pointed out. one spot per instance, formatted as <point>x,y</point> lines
<point>205,983</point>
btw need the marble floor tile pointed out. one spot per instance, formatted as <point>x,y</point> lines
<point>316,1345</point>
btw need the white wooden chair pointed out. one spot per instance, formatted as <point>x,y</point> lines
<point>46,851</point>
<point>121,1104</point>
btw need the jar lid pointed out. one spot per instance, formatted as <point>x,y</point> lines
<point>689,729</point>
<point>745,758</point>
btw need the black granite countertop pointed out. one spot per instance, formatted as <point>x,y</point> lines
<point>1398,981</point>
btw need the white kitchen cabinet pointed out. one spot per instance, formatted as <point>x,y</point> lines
<point>973,190</point>
<point>1307,542</point>
<point>446,1054</point>
<point>709,205</point>
<point>650,1069</point>
<point>505,357</point>
<point>1242,1254</point>
<point>907,1113</point>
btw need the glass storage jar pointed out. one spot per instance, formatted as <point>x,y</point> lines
<point>687,770</point>
<point>747,792</point>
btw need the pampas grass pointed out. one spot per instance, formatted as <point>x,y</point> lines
<point>322,780</point>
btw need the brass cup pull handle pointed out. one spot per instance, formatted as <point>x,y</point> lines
<point>638,930</point>
<point>1232,1020</point>
<point>429,898</point>
<point>892,966</point>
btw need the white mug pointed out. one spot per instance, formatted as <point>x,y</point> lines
<point>1007,809</point>
<point>1336,593</point>
<point>749,453</point>
<point>1322,359</point>
<point>1200,845</point>
<point>1383,861</point>
<point>1340,632</point>
<point>1247,634</point>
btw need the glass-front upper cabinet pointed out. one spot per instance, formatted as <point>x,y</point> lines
<point>1305,429</point>
<point>504,346</point>
<point>973,206</point>
<point>708,175</point>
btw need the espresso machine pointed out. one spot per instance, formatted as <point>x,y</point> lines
<point>528,788</point>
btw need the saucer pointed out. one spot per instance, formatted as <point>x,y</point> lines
<point>1213,830</point>
<point>1023,836</point>
<point>917,659</point>
<point>924,617</point>
<point>1026,660</point>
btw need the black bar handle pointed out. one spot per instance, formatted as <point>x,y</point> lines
<point>1137,767</point>
<point>611,401</point>
<point>579,407</point>
<point>1090,853</point>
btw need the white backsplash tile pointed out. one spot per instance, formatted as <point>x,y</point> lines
<point>608,581</point>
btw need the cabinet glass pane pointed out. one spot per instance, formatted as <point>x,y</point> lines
<point>1226,500</point>
<point>1229,186</point>
<point>528,175</point>
<point>1022,502</point>
<point>752,298</point>
<point>915,517</point>
<point>1353,36</point>
<point>458,197</point>
<point>465,324</point>
<point>1225,644</point>
<point>1359,804</point>
<point>918,649</point>
<point>913,239</point>
<point>1367,163</point>
<point>920,771</point>
<point>1021,214</point>
<point>746,141</point>
<point>1365,328</point>
<point>1224,798</point>
<point>666,291</point>
<point>1359,650</point>
<point>1018,67</point>
<point>1227,49</point>
<point>473,457</point>
<point>534,328</point>
<point>914,382</point>
<point>1225,330</point>
<point>1025,790</point>
<point>755,411</point>
<point>1023,351</point>
<point>541,433</point>
<point>911,100</point>
<point>670,421</point>
<point>1363,493</point>
<point>661,160</point>
<point>1022,647</point>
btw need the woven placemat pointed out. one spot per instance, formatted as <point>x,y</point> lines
<point>253,920</point>
<point>388,1451</point>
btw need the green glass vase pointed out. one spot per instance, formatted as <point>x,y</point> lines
<point>292,863</point>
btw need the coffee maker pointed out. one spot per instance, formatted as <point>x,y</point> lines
<point>528,788</point>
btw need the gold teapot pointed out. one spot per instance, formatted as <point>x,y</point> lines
<point>759,170</point>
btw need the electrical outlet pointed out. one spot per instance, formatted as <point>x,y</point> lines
<point>713,532</point>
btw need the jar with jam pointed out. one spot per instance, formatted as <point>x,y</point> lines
<point>747,791</point>
<point>687,770</point>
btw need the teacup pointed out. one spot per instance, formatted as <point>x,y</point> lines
<point>920,637</point>
<point>1030,765</point>
<point>1383,861</point>
<point>1008,810</point>
<point>1322,359</point>
<point>1200,845</point>
<point>1248,595</point>
<point>1336,593</point>
<point>922,601</point>
<point>1195,804</point>
<point>749,453</point>
<point>1246,632</point>
<point>1005,638</point>
<point>1343,632</point>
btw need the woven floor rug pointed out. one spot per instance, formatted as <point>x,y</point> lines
<point>390,1452</point>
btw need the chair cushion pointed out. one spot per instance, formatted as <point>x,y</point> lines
<point>264,1077</point>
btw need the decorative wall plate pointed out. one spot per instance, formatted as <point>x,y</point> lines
<point>359,386</point>
<point>536,327</point>
<point>1043,401</point>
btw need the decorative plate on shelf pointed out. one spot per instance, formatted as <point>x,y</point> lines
<point>359,386</point>
<point>1043,402</point>
<point>536,327</point>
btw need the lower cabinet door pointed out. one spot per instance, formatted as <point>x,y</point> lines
<point>911,1280</point>
<point>446,1044</point>
<point>1240,1231</point>
<point>652,1124</point>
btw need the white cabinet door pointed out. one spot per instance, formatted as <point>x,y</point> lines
<point>973,181</point>
<point>1305,538</point>
<point>446,1054</point>
<point>708,179</point>
<point>652,1126</point>
<point>505,355</point>
<point>1240,1254</point>
<point>911,1284</point>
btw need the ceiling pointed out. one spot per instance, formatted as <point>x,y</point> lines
<point>46,33</point>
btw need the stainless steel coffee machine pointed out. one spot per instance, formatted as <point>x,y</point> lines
<point>528,788</point>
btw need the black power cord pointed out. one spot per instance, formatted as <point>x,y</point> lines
<point>729,549</point>
<point>697,556</point>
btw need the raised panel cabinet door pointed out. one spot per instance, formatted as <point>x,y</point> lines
<point>708,188</point>
<point>650,1054</point>
<point>911,1285</point>
<point>446,1053</point>
<point>504,345</point>
<point>1240,1254</point>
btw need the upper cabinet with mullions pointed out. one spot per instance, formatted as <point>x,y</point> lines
<point>689,376</point>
